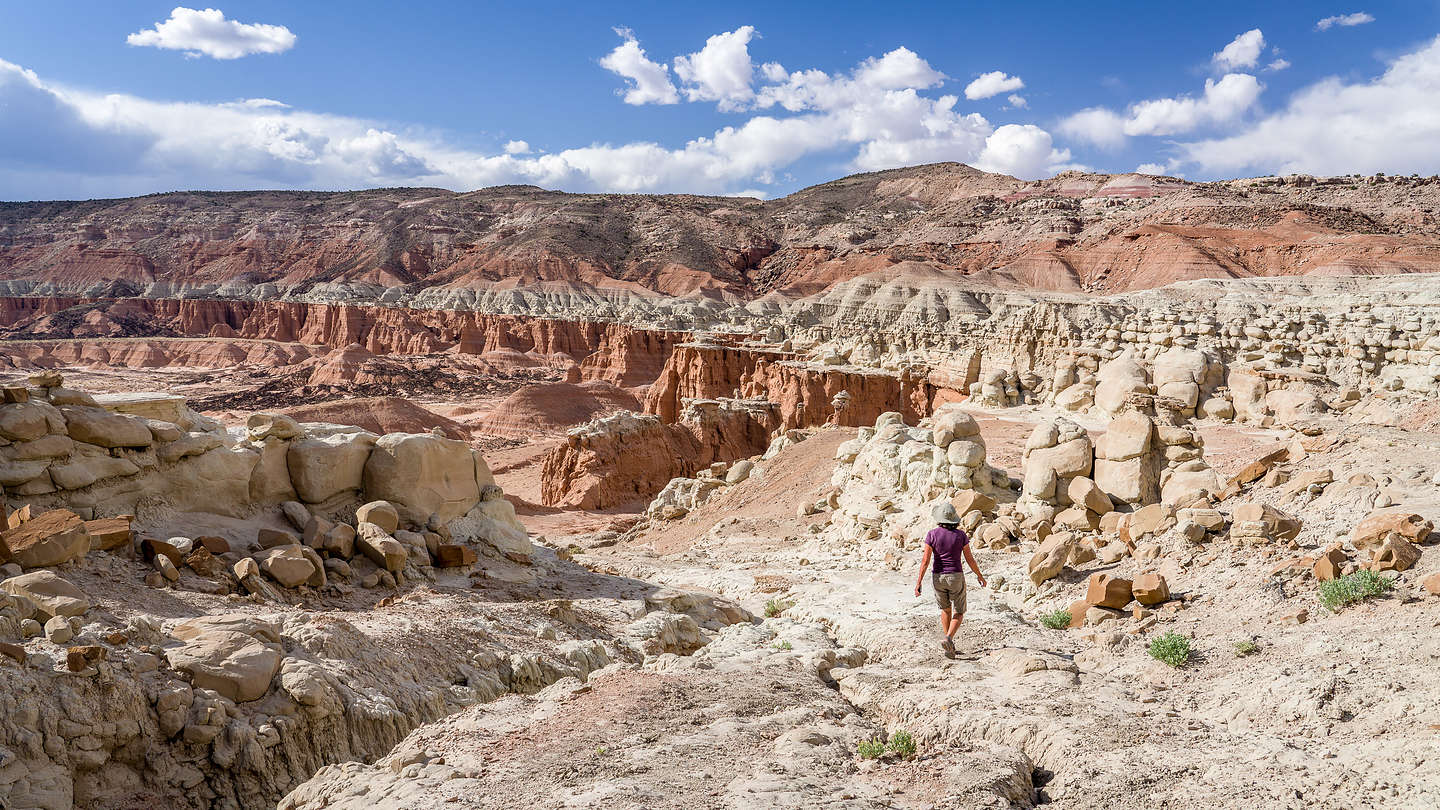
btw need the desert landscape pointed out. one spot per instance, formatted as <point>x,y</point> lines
<point>410,498</point>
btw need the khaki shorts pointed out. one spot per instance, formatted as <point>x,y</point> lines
<point>950,592</point>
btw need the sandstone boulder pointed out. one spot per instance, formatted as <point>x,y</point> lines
<point>1133,481</point>
<point>1104,590</point>
<point>1395,554</point>
<point>82,471</point>
<point>1117,380</point>
<point>297,513</point>
<point>286,564</point>
<point>1278,525</point>
<point>264,425</point>
<point>1330,564</point>
<point>454,555</point>
<point>109,533</point>
<point>951,423</point>
<point>272,538</point>
<point>969,500</point>
<point>270,480</point>
<point>340,541</point>
<point>493,523</point>
<point>1431,584</point>
<point>1372,530</point>
<point>234,664</point>
<point>382,549</point>
<point>101,427</point>
<point>321,468</point>
<point>1150,589</point>
<point>1047,562</point>
<point>23,422</point>
<point>54,537</point>
<point>51,594</point>
<point>1150,520</point>
<point>1128,436</point>
<point>380,513</point>
<point>424,474</point>
<point>1084,492</point>
<point>216,481</point>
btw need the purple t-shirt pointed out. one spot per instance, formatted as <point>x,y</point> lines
<point>949,548</point>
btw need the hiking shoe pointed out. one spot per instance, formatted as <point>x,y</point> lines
<point>948,645</point>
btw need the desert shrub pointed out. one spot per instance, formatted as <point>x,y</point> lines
<point>783,645</point>
<point>1170,648</point>
<point>1351,588</point>
<point>871,749</point>
<point>1246,647</point>
<point>774,607</point>
<point>902,744</point>
<point>1056,620</point>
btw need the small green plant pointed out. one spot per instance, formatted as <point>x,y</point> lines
<point>602,750</point>
<point>782,645</point>
<point>871,749</point>
<point>1056,620</point>
<point>1351,588</point>
<point>902,744</point>
<point>1246,647</point>
<point>1170,648</point>
<point>775,607</point>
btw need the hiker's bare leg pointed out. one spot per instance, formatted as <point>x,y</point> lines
<point>953,626</point>
<point>944,622</point>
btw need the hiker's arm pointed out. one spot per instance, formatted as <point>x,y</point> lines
<point>970,558</point>
<point>924,564</point>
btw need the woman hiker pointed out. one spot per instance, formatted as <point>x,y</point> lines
<point>947,544</point>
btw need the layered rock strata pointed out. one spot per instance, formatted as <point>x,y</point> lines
<point>627,457</point>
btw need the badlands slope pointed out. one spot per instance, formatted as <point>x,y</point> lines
<point>520,497</point>
<point>1073,232</point>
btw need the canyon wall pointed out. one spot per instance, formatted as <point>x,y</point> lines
<point>612,352</point>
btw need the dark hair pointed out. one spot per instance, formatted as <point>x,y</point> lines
<point>951,526</point>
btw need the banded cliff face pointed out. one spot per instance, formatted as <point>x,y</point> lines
<point>519,248</point>
<point>894,290</point>
<point>606,351</point>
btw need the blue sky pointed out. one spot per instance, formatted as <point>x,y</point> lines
<point>106,98</point>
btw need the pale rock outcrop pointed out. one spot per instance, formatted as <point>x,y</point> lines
<point>1056,452</point>
<point>382,549</point>
<point>51,594</point>
<point>424,474</point>
<point>324,467</point>
<point>890,475</point>
<point>101,427</point>
<point>50,538</point>
<point>288,565</point>
<point>624,457</point>
<point>234,664</point>
<point>492,521</point>
<point>1117,380</point>
<point>1184,375</point>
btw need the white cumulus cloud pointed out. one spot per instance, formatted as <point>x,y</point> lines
<point>59,141</point>
<point>1222,101</point>
<point>1344,20</point>
<point>1022,150</point>
<point>206,31</point>
<point>1150,168</point>
<point>1095,125</point>
<point>1017,101</point>
<point>1278,64</point>
<point>1242,52</point>
<point>1390,123</point>
<point>721,71</point>
<point>992,84</point>
<point>649,81</point>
